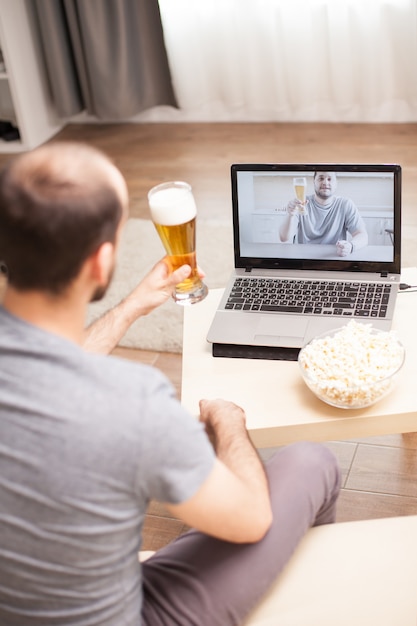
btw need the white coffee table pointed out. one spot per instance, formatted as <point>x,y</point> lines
<point>279,407</point>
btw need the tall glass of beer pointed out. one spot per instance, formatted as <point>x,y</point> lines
<point>173,211</point>
<point>300,186</point>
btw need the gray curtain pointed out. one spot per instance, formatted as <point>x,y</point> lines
<point>104,56</point>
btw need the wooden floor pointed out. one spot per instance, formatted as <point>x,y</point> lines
<point>380,473</point>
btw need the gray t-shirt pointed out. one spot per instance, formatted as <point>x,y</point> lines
<point>328,225</point>
<point>85,442</point>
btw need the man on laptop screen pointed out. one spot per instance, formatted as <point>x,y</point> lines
<point>323,217</point>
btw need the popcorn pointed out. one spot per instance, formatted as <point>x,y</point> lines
<point>353,367</point>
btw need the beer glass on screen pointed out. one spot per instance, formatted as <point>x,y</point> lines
<point>173,211</point>
<point>300,186</point>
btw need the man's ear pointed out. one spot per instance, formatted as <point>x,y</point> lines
<point>102,263</point>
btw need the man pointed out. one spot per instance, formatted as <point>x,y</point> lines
<point>86,441</point>
<point>325,219</point>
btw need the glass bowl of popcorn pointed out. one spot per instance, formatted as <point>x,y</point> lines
<point>352,367</point>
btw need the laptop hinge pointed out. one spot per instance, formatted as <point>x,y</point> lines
<point>248,269</point>
<point>384,274</point>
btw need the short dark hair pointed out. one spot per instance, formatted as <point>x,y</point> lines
<point>317,171</point>
<point>58,204</point>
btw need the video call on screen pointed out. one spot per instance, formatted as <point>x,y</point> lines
<point>263,197</point>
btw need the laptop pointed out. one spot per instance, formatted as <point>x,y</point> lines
<point>290,283</point>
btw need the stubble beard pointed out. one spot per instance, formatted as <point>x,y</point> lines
<point>101,291</point>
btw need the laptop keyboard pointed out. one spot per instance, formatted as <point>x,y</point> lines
<point>313,297</point>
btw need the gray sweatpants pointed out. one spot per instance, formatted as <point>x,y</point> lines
<point>200,581</point>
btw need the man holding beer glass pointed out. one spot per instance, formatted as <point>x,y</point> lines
<point>174,212</point>
<point>88,440</point>
<point>324,218</point>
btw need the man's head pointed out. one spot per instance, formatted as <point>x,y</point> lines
<point>58,204</point>
<point>325,184</point>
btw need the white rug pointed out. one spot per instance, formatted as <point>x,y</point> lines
<point>140,249</point>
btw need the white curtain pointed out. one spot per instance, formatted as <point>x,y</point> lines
<point>292,60</point>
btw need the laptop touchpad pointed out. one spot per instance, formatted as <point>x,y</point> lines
<point>281,326</point>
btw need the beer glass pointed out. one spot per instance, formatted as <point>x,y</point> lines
<point>300,186</point>
<point>173,211</point>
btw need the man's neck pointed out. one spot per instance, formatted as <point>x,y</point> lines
<point>325,203</point>
<point>60,315</point>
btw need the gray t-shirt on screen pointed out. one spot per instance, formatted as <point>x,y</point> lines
<point>85,442</point>
<point>328,225</point>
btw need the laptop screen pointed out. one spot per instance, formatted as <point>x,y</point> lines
<point>317,216</point>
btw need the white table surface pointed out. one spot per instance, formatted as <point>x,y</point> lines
<point>314,251</point>
<point>279,406</point>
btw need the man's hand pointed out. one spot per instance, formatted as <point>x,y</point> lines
<point>157,286</point>
<point>294,207</point>
<point>154,289</point>
<point>221,418</point>
<point>344,248</point>
<point>288,227</point>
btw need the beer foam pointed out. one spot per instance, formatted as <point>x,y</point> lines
<point>172,206</point>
